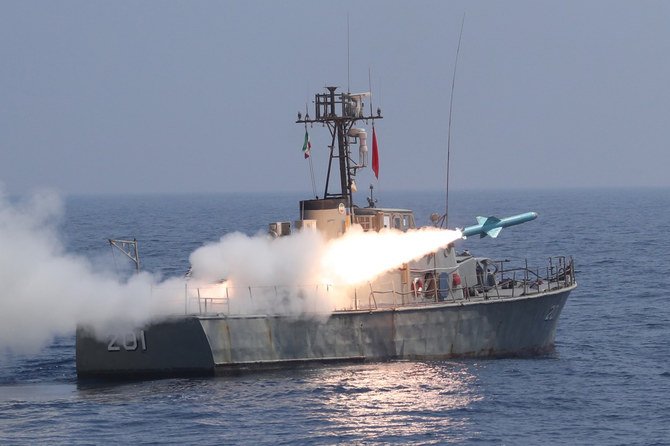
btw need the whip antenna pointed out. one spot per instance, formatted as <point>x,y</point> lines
<point>348,71</point>
<point>309,154</point>
<point>370,88</point>
<point>451,103</point>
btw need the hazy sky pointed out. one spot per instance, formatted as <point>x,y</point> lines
<point>167,96</point>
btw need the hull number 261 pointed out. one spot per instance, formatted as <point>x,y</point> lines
<point>129,341</point>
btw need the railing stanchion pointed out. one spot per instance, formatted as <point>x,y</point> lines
<point>185,298</point>
<point>465,290</point>
<point>526,278</point>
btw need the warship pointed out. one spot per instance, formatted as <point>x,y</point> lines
<point>442,305</point>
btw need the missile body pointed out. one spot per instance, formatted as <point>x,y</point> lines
<point>492,226</point>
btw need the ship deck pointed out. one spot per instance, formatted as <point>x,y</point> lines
<point>226,301</point>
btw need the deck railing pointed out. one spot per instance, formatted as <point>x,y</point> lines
<point>507,282</point>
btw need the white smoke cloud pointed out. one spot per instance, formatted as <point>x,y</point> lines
<point>46,291</point>
<point>283,273</point>
<point>304,273</point>
<point>260,260</point>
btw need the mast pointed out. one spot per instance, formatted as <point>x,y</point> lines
<point>339,112</point>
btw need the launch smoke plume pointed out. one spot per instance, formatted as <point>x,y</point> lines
<point>305,264</point>
<point>46,291</point>
<point>361,256</point>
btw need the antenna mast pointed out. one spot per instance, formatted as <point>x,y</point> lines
<point>348,70</point>
<point>451,103</point>
<point>339,112</point>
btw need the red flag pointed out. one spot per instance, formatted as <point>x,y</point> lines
<point>375,154</point>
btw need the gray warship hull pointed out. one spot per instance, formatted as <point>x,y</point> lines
<point>210,345</point>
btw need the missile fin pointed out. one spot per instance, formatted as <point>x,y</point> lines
<point>493,233</point>
<point>488,221</point>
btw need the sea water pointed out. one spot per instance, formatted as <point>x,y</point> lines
<point>607,382</point>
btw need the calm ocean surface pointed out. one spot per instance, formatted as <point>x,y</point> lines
<point>608,382</point>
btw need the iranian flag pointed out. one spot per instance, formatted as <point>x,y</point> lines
<point>375,154</point>
<point>307,145</point>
